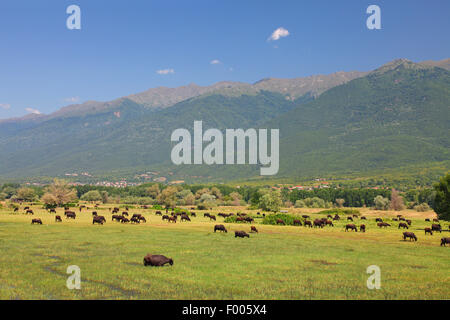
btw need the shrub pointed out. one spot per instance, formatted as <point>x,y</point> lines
<point>381,203</point>
<point>422,207</point>
<point>272,219</point>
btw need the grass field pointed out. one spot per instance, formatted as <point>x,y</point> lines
<point>279,262</point>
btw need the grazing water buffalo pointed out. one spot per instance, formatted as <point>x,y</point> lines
<point>428,230</point>
<point>239,219</point>
<point>193,214</point>
<point>378,220</point>
<point>280,221</point>
<point>206,215</point>
<point>156,260</point>
<point>394,219</point>
<point>336,217</point>
<point>248,219</point>
<point>435,220</point>
<point>362,228</point>
<point>136,215</point>
<point>94,213</point>
<point>158,213</point>
<point>401,219</point>
<point>253,229</point>
<point>383,224</point>
<point>38,221</point>
<point>98,219</point>
<point>329,223</point>
<point>142,219</point>
<point>70,214</point>
<point>308,223</point>
<point>408,222</point>
<point>184,217</point>
<point>212,217</point>
<point>351,226</point>
<point>220,227</point>
<point>241,234</point>
<point>124,220</point>
<point>125,213</point>
<point>172,219</point>
<point>297,222</point>
<point>135,220</point>
<point>58,219</point>
<point>318,223</point>
<point>409,235</point>
<point>52,210</point>
<point>29,212</point>
<point>349,218</point>
<point>427,220</point>
<point>436,227</point>
<point>26,208</point>
<point>165,217</point>
<point>363,218</point>
<point>444,241</point>
<point>116,217</point>
<point>305,216</point>
<point>16,209</point>
<point>402,225</point>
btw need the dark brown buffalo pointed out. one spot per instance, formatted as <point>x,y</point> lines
<point>318,223</point>
<point>427,219</point>
<point>336,217</point>
<point>329,216</point>
<point>26,208</point>
<point>184,217</point>
<point>142,219</point>
<point>38,221</point>
<point>305,216</point>
<point>378,220</point>
<point>435,220</point>
<point>125,213</point>
<point>401,219</point>
<point>297,222</point>
<point>444,241</point>
<point>362,228</point>
<point>16,209</point>
<point>70,214</point>
<point>172,219</point>
<point>156,260</point>
<point>308,223</point>
<point>136,215</point>
<point>193,214</point>
<point>436,227</point>
<point>408,222</point>
<point>280,221</point>
<point>253,229</point>
<point>355,216</point>
<point>206,215</point>
<point>351,226</point>
<point>158,213</point>
<point>403,225</point>
<point>428,230</point>
<point>212,217</point>
<point>329,223</point>
<point>394,219</point>
<point>241,234</point>
<point>349,218</point>
<point>98,219</point>
<point>116,217</point>
<point>248,219</point>
<point>239,219</point>
<point>58,219</point>
<point>363,218</point>
<point>409,235</point>
<point>124,220</point>
<point>94,213</point>
<point>135,220</point>
<point>220,227</point>
<point>383,224</point>
<point>29,212</point>
<point>52,211</point>
<point>165,217</point>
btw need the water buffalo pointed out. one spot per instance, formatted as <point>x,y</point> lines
<point>436,227</point>
<point>184,217</point>
<point>58,219</point>
<point>124,220</point>
<point>305,216</point>
<point>136,215</point>
<point>220,227</point>
<point>248,219</point>
<point>16,209</point>
<point>378,220</point>
<point>318,223</point>
<point>363,218</point>
<point>125,213</point>
<point>351,226</point>
<point>297,222</point>
<point>408,222</point>
<point>362,228</point>
<point>383,224</point>
<point>135,220</point>
<point>349,219</point>
<point>444,241</point>
<point>428,230</point>
<point>98,219</point>
<point>172,219</point>
<point>116,217</point>
<point>280,221</point>
<point>253,229</point>
<point>142,219</point>
<point>336,217</point>
<point>329,223</point>
<point>241,234</point>
<point>158,213</point>
<point>70,214</point>
<point>308,223</point>
<point>409,235</point>
<point>29,212</point>
<point>52,210</point>
<point>165,217</point>
<point>402,225</point>
<point>38,221</point>
<point>212,217</point>
<point>193,214</point>
<point>156,260</point>
<point>94,213</point>
<point>206,215</point>
<point>435,220</point>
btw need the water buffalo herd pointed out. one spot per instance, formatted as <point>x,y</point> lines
<point>185,216</point>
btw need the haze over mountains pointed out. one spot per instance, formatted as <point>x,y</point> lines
<point>396,115</point>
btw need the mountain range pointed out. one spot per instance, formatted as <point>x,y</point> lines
<point>346,122</point>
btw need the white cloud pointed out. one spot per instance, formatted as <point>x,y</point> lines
<point>31,110</point>
<point>165,71</point>
<point>279,33</point>
<point>72,99</point>
<point>5,106</point>
<point>215,61</point>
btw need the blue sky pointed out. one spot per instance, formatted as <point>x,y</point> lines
<point>122,44</point>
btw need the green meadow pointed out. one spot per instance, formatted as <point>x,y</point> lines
<point>278,262</point>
